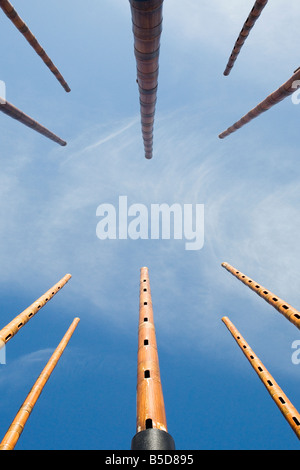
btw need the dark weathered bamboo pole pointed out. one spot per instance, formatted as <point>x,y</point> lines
<point>147,27</point>
<point>20,320</point>
<point>287,89</point>
<point>285,406</point>
<point>248,25</point>
<point>151,423</point>
<point>16,428</point>
<point>289,312</point>
<point>23,28</point>
<point>15,113</point>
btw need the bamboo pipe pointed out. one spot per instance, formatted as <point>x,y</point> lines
<point>22,27</point>
<point>147,27</point>
<point>248,25</point>
<point>151,423</point>
<point>289,312</point>
<point>285,406</point>
<point>287,89</point>
<point>15,113</point>
<point>20,320</point>
<point>16,428</point>
<point>150,401</point>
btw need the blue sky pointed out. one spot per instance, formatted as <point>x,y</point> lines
<point>249,184</point>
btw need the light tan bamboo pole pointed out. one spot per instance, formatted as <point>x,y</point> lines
<point>150,401</point>
<point>289,312</point>
<point>23,28</point>
<point>16,428</point>
<point>20,320</point>
<point>151,423</point>
<point>285,406</point>
<point>15,113</point>
<point>248,25</point>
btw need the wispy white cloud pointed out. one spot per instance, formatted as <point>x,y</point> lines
<point>237,229</point>
<point>118,130</point>
<point>216,27</point>
<point>11,375</point>
<point>247,219</point>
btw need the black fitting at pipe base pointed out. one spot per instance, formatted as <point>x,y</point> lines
<point>152,439</point>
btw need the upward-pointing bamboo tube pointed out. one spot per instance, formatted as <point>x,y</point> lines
<point>20,320</point>
<point>287,89</point>
<point>150,401</point>
<point>248,25</point>
<point>15,113</point>
<point>147,27</point>
<point>151,423</point>
<point>23,28</point>
<point>285,406</point>
<point>283,307</point>
<point>16,428</point>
